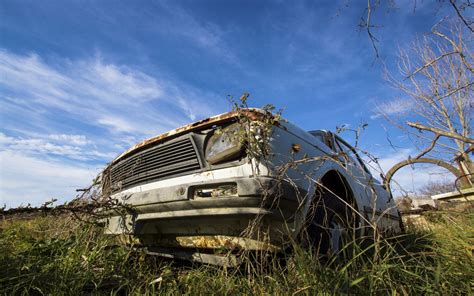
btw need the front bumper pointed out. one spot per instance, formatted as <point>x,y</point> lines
<point>261,215</point>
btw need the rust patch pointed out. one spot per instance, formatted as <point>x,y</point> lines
<point>295,148</point>
<point>200,122</point>
<point>219,241</point>
<point>209,242</point>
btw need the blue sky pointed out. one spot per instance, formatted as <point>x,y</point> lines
<point>80,81</point>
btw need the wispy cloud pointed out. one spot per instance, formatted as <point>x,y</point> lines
<point>410,179</point>
<point>108,95</point>
<point>68,146</point>
<point>397,106</point>
<point>79,140</point>
<point>204,34</point>
<point>75,115</point>
<point>26,179</point>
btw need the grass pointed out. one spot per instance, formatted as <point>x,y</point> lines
<point>59,255</point>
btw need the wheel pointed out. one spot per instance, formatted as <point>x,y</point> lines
<point>332,225</point>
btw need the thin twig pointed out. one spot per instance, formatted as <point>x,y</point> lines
<point>453,3</point>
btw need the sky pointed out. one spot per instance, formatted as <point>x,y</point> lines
<point>81,81</point>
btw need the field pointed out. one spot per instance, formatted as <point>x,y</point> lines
<point>59,255</point>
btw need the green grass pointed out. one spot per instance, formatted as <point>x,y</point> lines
<point>60,256</point>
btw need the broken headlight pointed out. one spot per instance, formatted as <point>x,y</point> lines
<point>224,145</point>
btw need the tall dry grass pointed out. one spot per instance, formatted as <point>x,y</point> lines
<point>59,256</point>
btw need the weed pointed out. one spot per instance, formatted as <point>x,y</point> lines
<point>59,255</point>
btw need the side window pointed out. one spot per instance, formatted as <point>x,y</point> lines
<point>323,137</point>
<point>350,154</point>
<point>346,152</point>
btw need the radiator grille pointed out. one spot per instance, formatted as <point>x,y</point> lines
<point>164,160</point>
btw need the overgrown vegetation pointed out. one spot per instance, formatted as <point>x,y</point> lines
<point>65,252</point>
<point>61,255</point>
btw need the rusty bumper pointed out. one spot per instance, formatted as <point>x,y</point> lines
<point>259,214</point>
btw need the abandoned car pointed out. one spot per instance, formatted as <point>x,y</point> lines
<point>211,185</point>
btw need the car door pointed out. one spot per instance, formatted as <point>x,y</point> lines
<point>378,199</point>
<point>357,169</point>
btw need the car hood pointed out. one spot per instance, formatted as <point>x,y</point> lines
<point>251,113</point>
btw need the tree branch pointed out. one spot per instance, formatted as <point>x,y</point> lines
<point>454,91</point>
<point>430,63</point>
<point>440,132</point>
<point>453,3</point>
<point>432,145</point>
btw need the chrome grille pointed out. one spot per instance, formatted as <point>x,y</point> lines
<point>164,160</point>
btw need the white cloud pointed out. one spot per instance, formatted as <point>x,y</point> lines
<point>26,179</point>
<point>68,146</point>
<point>397,106</point>
<point>79,140</point>
<point>62,115</point>
<point>410,179</point>
<point>127,82</point>
<point>392,159</point>
<point>116,123</point>
<point>114,97</point>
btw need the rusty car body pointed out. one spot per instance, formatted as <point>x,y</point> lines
<point>193,192</point>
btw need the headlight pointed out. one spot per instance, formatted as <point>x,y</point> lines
<point>224,145</point>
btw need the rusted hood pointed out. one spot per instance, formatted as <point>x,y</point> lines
<point>251,113</point>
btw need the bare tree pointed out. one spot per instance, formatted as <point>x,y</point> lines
<point>433,188</point>
<point>461,10</point>
<point>436,85</point>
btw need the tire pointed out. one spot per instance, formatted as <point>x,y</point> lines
<point>331,225</point>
